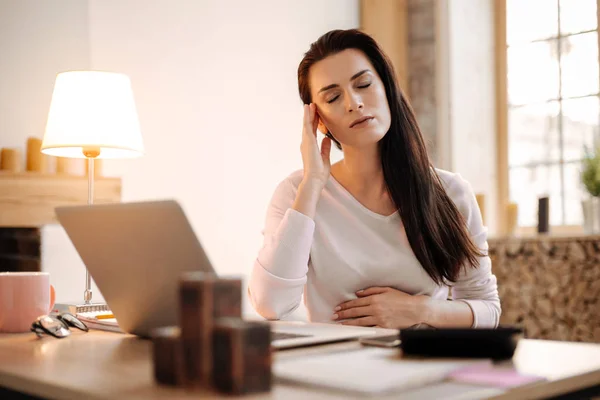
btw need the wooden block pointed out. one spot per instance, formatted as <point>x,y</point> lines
<point>10,160</point>
<point>241,356</point>
<point>18,263</point>
<point>227,298</point>
<point>20,233</point>
<point>203,298</point>
<point>20,247</point>
<point>167,354</point>
<point>20,250</point>
<point>20,242</point>
<point>36,161</point>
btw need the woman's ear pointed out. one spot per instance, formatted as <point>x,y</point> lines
<point>322,127</point>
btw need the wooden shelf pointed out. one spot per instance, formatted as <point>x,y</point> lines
<point>28,199</point>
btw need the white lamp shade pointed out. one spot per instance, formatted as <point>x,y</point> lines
<point>92,110</point>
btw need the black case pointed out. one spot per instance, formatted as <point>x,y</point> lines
<point>499,343</point>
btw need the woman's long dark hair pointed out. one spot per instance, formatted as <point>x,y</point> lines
<point>436,230</point>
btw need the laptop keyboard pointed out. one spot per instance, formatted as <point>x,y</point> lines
<point>283,335</point>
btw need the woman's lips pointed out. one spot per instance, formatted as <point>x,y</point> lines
<point>359,123</point>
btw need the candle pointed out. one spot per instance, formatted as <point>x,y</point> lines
<point>10,160</point>
<point>36,161</point>
<point>512,218</point>
<point>481,203</point>
<point>543,215</point>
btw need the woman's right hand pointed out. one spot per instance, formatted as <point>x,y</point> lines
<point>317,165</point>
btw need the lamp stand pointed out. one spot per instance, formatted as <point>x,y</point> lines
<point>91,157</point>
<point>87,306</point>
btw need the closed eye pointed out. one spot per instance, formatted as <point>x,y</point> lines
<point>360,87</point>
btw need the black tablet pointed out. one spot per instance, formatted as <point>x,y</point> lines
<point>499,343</point>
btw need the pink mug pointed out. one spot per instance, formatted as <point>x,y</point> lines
<point>24,296</point>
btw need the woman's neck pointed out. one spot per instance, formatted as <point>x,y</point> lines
<point>360,171</point>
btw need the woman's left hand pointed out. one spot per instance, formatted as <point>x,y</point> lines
<point>383,307</point>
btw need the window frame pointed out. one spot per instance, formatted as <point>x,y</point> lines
<point>502,109</point>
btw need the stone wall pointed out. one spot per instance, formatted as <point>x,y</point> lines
<point>550,285</point>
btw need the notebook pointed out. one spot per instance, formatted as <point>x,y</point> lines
<point>93,322</point>
<point>495,377</point>
<point>371,371</point>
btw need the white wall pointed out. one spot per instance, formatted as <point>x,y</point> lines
<point>38,39</point>
<point>216,89</point>
<point>471,95</point>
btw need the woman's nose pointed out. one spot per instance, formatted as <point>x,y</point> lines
<point>354,102</point>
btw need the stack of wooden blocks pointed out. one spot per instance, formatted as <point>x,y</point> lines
<point>213,347</point>
<point>20,249</point>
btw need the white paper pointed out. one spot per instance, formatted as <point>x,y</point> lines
<point>368,370</point>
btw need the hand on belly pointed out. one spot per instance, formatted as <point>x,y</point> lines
<point>383,307</point>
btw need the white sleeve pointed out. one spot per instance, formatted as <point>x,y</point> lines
<point>279,274</point>
<point>475,286</point>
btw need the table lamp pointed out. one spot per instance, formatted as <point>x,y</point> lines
<point>92,115</point>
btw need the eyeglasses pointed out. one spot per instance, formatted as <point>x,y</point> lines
<point>57,325</point>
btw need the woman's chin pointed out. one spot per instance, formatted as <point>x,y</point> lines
<point>368,139</point>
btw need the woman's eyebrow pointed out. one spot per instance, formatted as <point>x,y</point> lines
<point>333,85</point>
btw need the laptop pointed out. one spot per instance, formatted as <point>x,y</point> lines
<point>136,252</point>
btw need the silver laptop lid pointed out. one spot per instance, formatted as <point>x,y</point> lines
<point>136,252</point>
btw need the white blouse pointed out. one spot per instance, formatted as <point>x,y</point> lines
<point>348,247</point>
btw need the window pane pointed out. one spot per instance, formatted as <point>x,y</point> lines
<point>533,134</point>
<point>580,126</point>
<point>528,184</point>
<point>528,20</point>
<point>574,193</point>
<point>533,73</point>
<point>579,63</point>
<point>577,16</point>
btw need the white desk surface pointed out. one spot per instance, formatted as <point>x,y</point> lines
<point>104,365</point>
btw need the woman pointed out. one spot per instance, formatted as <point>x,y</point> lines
<point>379,238</point>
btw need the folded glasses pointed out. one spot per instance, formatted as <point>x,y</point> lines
<point>57,325</point>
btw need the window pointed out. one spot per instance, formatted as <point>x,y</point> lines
<point>553,110</point>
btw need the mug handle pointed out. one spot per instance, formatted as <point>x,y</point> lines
<point>52,298</point>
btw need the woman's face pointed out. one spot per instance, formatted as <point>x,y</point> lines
<point>347,90</point>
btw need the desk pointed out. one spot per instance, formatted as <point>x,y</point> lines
<point>105,365</point>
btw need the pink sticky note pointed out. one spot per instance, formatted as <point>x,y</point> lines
<point>497,377</point>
